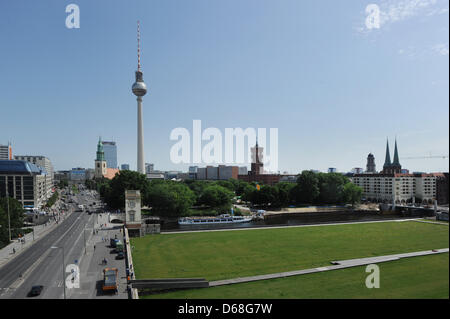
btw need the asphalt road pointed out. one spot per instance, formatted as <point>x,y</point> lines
<point>43,265</point>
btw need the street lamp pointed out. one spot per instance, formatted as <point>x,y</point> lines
<point>63,272</point>
<point>9,218</point>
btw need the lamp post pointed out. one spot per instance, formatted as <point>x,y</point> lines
<point>63,272</point>
<point>9,218</point>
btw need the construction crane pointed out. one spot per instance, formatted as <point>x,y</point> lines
<point>423,157</point>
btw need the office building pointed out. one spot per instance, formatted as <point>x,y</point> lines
<point>125,167</point>
<point>6,152</point>
<point>110,150</point>
<point>149,167</point>
<point>43,162</point>
<point>332,170</point>
<point>25,182</point>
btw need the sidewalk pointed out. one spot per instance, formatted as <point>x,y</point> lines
<point>7,254</point>
<point>91,275</point>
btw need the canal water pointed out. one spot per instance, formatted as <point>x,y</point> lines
<point>287,220</point>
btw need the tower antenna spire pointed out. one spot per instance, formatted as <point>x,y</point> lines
<point>139,46</point>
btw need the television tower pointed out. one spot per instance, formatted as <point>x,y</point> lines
<point>139,89</point>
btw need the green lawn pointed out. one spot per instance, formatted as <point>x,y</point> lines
<point>416,277</point>
<point>230,254</point>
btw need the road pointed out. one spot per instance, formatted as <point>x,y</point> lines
<point>43,265</point>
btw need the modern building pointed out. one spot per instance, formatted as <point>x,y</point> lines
<point>43,162</point>
<point>332,170</point>
<point>149,167</point>
<point>78,175</point>
<point>357,170</point>
<point>221,172</point>
<point>125,167</point>
<point>25,182</point>
<point>110,150</point>
<point>370,166</point>
<point>6,152</point>
<point>256,174</point>
<point>155,175</point>
<point>61,176</point>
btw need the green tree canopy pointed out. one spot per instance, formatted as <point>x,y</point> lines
<point>170,199</point>
<point>217,196</point>
<point>16,218</point>
<point>307,188</point>
<point>352,193</point>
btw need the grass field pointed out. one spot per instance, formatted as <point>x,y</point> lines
<point>231,254</point>
<point>417,277</point>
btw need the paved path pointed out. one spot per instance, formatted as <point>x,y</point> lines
<point>91,276</point>
<point>289,226</point>
<point>340,264</point>
<point>429,222</point>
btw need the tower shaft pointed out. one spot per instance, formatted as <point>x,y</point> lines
<point>140,138</point>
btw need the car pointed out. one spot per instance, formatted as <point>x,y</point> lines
<point>120,255</point>
<point>35,290</point>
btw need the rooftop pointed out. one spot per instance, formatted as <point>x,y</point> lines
<point>20,167</point>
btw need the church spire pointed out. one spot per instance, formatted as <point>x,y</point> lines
<point>387,161</point>
<point>396,161</point>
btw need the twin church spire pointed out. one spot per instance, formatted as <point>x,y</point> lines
<point>395,166</point>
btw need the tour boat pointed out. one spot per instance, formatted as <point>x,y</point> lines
<point>222,219</point>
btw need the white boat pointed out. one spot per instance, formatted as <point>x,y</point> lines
<point>222,219</point>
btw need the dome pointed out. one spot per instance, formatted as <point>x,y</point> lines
<point>139,88</point>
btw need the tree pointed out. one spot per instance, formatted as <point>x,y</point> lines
<point>352,193</point>
<point>170,199</point>
<point>331,187</point>
<point>114,193</point>
<point>217,197</point>
<point>16,218</point>
<point>307,188</point>
<point>283,194</point>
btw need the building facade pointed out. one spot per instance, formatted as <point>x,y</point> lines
<point>149,167</point>
<point>6,152</point>
<point>125,167</point>
<point>43,162</point>
<point>25,182</point>
<point>221,172</point>
<point>110,150</point>
<point>401,188</point>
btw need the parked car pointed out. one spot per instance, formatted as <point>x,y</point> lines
<point>35,290</point>
<point>120,255</point>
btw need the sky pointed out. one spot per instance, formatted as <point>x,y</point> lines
<point>334,89</point>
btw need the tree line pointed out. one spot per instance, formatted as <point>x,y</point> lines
<point>173,199</point>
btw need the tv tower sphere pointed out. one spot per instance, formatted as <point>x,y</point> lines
<point>139,88</point>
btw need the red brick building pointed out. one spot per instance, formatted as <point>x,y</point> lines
<point>256,174</point>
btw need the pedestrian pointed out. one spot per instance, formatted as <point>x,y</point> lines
<point>94,247</point>
<point>14,250</point>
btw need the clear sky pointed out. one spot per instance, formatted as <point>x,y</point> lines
<point>334,89</point>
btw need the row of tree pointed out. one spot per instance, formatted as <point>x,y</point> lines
<point>16,219</point>
<point>170,198</point>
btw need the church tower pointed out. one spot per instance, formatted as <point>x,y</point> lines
<point>100,162</point>
<point>257,166</point>
<point>394,167</point>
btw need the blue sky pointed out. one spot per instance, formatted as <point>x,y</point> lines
<point>334,89</point>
